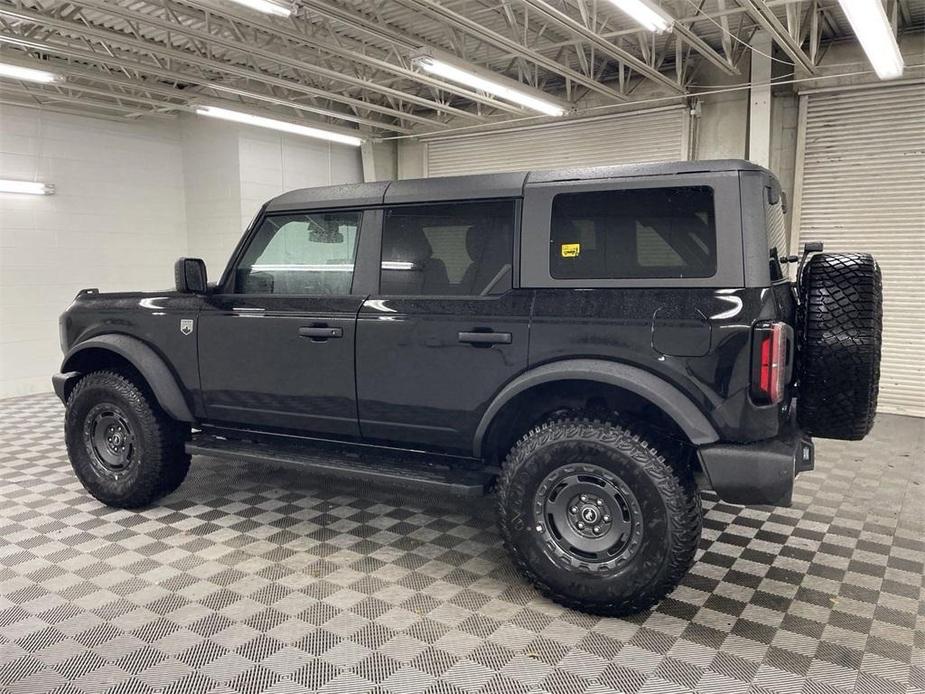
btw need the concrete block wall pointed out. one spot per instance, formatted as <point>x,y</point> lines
<point>117,221</point>
<point>213,189</point>
<point>131,198</point>
<point>272,163</point>
<point>231,170</point>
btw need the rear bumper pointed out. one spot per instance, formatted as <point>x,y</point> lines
<point>758,473</point>
<point>63,384</point>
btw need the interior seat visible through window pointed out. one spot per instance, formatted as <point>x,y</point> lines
<point>408,265</point>
<point>451,249</point>
<point>489,257</point>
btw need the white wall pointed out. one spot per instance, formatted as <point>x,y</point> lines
<point>272,163</point>
<point>231,170</point>
<point>213,190</point>
<point>131,198</point>
<point>117,221</point>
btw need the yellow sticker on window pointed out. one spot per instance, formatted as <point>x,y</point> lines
<point>571,250</point>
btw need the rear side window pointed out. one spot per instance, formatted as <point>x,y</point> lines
<point>632,234</point>
<point>461,249</point>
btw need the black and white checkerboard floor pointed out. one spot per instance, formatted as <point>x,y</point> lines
<point>259,579</point>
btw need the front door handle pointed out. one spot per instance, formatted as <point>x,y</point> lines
<point>322,333</point>
<point>476,338</point>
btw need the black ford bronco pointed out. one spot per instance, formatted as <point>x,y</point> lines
<point>593,343</point>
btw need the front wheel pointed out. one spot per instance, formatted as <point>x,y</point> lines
<point>125,451</point>
<point>596,518</point>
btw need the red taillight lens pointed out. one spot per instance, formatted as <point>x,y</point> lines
<point>770,362</point>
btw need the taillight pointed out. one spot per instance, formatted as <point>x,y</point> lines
<point>771,359</point>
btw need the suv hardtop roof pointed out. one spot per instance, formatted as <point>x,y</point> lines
<point>482,186</point>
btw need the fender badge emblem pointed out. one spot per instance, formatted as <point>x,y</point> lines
<point>186,326</point>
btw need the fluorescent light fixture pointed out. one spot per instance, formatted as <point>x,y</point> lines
<point>26,187</point>
<point>649,15</point>
<point>266,7</point>
<point>28,74</point>
<point>875,33</point>
<point>477,79</point>
<point>273,124</point>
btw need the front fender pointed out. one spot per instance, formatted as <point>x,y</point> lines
<point>654,389</point>
<point>154,370</point>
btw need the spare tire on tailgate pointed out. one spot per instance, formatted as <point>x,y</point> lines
<point>840,328</point>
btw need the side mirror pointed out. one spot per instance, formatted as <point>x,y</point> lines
<point>190,276</point>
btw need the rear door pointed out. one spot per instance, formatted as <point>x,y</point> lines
<point>276,347</point>
<point>447,328</point>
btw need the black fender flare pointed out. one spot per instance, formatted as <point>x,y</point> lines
<point>647,385</point>
<point>154,370</point>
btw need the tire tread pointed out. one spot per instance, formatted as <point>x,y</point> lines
<point>676,487</point>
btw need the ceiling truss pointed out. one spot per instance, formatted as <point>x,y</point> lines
<point>349,63</point>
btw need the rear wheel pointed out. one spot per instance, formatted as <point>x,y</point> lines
<point>596,518</point>
<point>125,451</point>
<point>839,350</point>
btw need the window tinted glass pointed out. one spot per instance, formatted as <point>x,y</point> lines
<point>628,234</point>
<point>301,254</point>
<point>451,249</point>
<point>777,237</point>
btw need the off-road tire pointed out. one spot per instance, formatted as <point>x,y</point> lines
<point>840,331</point>
<point>158,464</point>
<point>670,517</point>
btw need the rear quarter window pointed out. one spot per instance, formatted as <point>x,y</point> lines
<point>631,234</point>
<point>778,245</point>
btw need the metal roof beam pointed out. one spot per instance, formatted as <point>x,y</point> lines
<point>371,27</point>
<point>606,47</point>
<point>703,48</point>
<point>159,51</point>
<point>145,68</point>
<point>504,43</point>
<point>291,33</point>
<point>56,97</point>
<point>271,55</point>
<point>768,21</point>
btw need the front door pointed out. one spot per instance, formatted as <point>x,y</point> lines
<point>276,344</point>
<point>446,330</point>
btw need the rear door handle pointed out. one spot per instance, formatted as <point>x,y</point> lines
<point>474,338</point>
<point>323,333</point>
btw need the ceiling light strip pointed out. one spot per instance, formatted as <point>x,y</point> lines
<point>875,33</point>
<point>273,124</point>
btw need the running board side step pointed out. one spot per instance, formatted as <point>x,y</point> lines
<point>371,465</point>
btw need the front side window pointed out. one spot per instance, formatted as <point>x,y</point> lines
<point>462,249</point>
<point>633,234</point>
<point>301,254</point>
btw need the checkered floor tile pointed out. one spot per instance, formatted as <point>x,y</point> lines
<point>260,579</point>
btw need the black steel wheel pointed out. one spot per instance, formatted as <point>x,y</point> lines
<point>125,451</point>
<point>596,518</point>
<point>109,439</point>
<point>590,515</point>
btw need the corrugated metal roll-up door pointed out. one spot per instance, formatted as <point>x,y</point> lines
<point>863,189</point>
<point>657,135</point>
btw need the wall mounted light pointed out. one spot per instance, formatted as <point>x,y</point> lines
<point>646,13</point>
<point>28,74</point>
<point>273,124</point>
<point>482,80</point>
<point>875,33</point>
<point>26,187</point>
